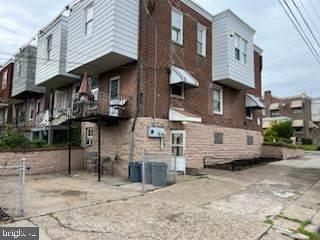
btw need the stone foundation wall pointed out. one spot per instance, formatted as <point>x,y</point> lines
<point>44,161</point>
<point>200,145</point>
<point>116,140</point>
<point>281,153</point>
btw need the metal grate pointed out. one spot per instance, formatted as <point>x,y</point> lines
<point>4,217</point>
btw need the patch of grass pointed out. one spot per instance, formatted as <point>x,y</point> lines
<point>311,235</point>
<point>269,221</point>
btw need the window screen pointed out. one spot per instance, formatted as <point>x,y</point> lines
<point>218,138</point>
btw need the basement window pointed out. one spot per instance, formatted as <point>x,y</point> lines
<point>218,138</point>
<point>250,140</point>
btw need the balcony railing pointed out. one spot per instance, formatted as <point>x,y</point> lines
<point>118,107</point>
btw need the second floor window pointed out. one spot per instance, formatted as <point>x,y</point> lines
<point>4,79</point>
<point>240,49</point>
<point>201,40</point>
<point>114,89</point>
<point>19,67</point>
<point>177,90</point>
<point>249,113</point>
<point>49,47</point>
<point>297,111</point>
<point>218,101</point>
<point>60,101</point>
<point>177,26</point>
<point>89,20</point>
<point>31,110</point>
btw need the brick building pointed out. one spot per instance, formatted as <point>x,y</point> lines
<point>6,76</point>
<point>301,110</point>
<point>165,65</point>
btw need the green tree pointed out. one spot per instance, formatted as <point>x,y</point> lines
<point>279,132</point>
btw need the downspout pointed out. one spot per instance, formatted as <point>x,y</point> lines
<point>138,97</point>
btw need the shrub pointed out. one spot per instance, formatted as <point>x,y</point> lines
<point>13,140</point>
<point>279,132</point>
<point>307,141</point>
<point>38,144</point>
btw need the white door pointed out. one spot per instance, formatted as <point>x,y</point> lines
<point>178,145</point>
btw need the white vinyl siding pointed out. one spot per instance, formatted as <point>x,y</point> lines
<point>227,27</point>
<point>115,30</point>
<point>45,69</point>
<point>177,26</point>
<point>201,40</point>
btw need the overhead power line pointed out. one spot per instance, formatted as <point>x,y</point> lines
<point>306,23</point>
<point>300,30</point>
<point>310,18</point>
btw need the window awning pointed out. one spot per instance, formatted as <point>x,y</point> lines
<point>254,102</point>
<point>297,104</point>
<point>179,115</point>
<point>297,123</point>
<point>274,106</point>
<point>180,76</point>
<point>312,125</point>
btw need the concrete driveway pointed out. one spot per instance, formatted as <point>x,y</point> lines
<point>280,200</point>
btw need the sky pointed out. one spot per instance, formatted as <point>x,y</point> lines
<point>289,67</point>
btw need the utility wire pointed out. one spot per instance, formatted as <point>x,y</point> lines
<point>306,23</point>
<point>314,9</point>
<point>302,34</point>
<point>310,18</point>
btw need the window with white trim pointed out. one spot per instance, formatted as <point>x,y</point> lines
<point>218,101</point>
<point>177,90</point>
<point>89,20</point>
<point>4,79</point>
<point>19,66</point>
<point>114,88</point>
<point>177,143</point>
<point>60,101</point>
<point>201,40</point>
<point>89,138</point>
<point>249,113</point>
<point>177,26</point>
<point>275,113</point>
<point>49,47</point>
<point>240,49</point>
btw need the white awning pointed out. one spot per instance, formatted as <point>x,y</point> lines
<point>312,125</point>
<point>253,102</point>
<point>179,115</point>
<point>274,106</point>
<point>297,104</point>
<point>297,123</point>
<point>180,76</point>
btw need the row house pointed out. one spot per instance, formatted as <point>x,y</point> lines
<point>302,110</point>
<point>6,76</point>
<point>164,76</point>
<point>172,78</point>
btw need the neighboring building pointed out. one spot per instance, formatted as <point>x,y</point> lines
<point>203,108</point>
<point>6,76</point>
<point>51,73</point>
<point>29,98</point>
<point>302,110</point>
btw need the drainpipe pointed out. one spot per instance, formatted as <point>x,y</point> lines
<point>138,97</point>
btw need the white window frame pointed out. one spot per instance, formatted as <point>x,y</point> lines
<point>4,79</point>
<point>221,102</point>
<point>19,67</point>
<point>88,21</point>
<point>110,81</point>
<point>241,44</point>
<point>203,32</point>
<point>178,96</point>
<point>183,145</point>
<point>63,104</point>
<point>175,28</point>
<point>275,111</point>
<point>49,46</point>
<point>89,136</point>
<point>251,114</point>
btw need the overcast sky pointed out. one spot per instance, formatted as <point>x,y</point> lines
<point>289,67</point>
